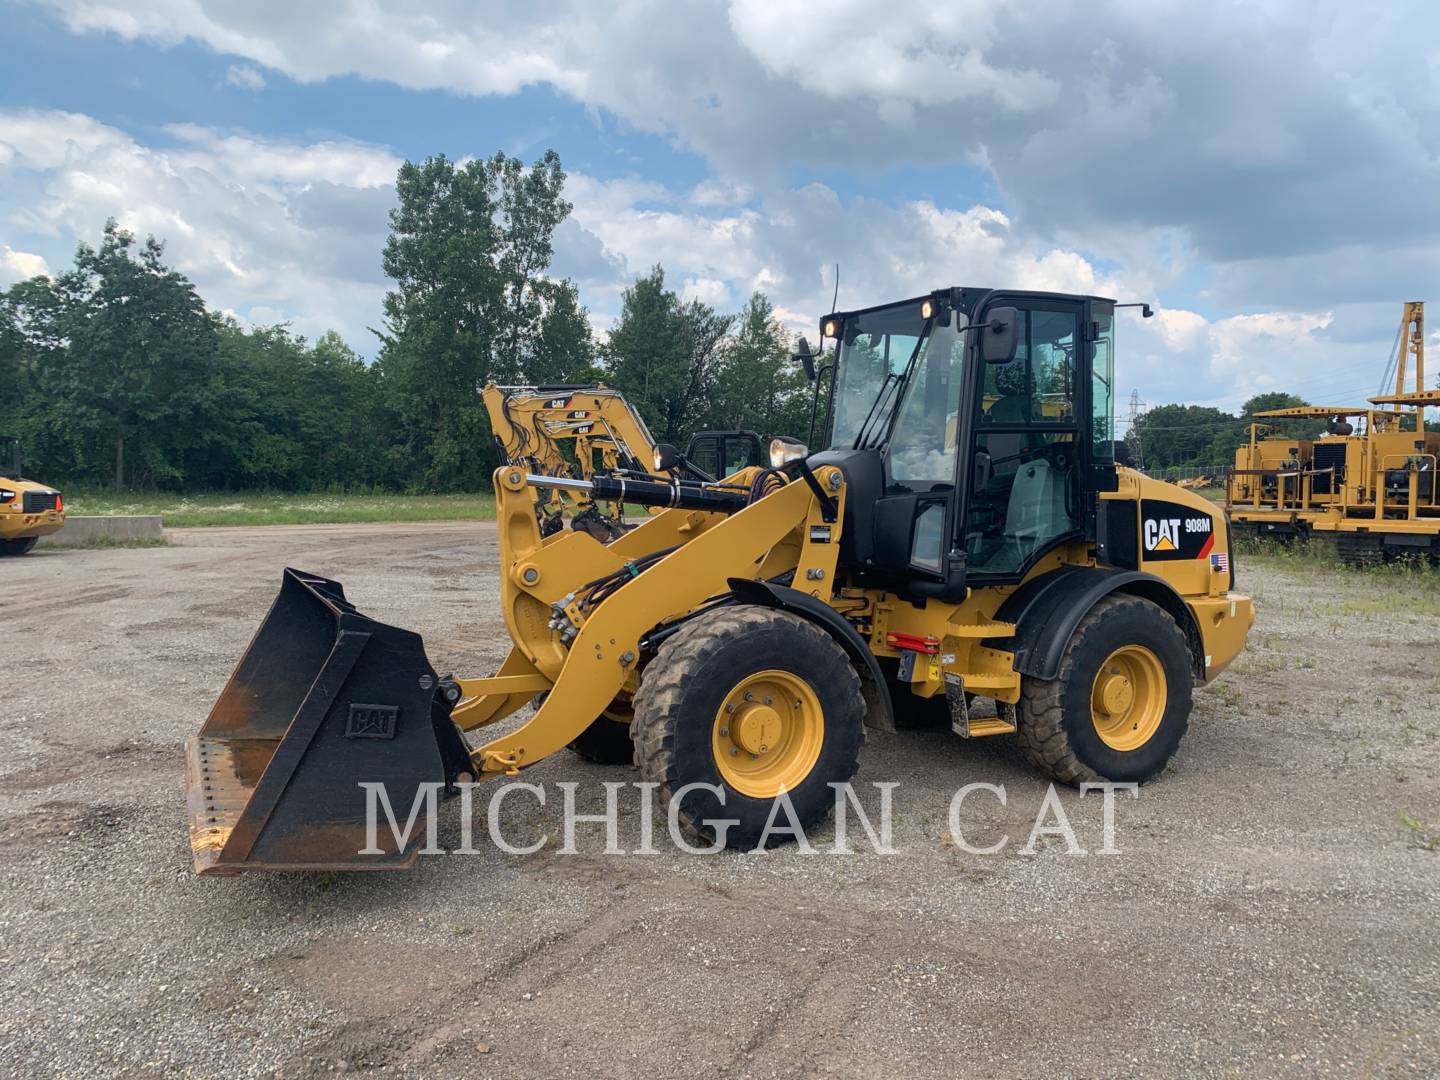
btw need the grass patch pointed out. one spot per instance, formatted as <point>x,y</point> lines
<point>1409,587</point>
<point>282,508</point>
<point>97,542</point>
<point>1423,836</point>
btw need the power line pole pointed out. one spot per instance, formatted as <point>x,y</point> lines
<point>1133,434</point>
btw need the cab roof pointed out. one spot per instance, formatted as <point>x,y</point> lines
<point>968,297</point>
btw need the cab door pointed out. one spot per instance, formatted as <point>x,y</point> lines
<point>1025,494</point>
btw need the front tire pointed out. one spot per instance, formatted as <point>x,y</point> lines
<point>1119,704</point>
<point>753,702</point>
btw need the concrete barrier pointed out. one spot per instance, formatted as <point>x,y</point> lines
<point>119,528</point>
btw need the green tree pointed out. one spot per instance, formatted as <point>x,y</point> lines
<point>757,386</point>
<point>1181,435</point>
<point>643,352</point>
<point>468,248</point>
<point>665,356</point>
<point>119,353</point>
<point>564,348</point>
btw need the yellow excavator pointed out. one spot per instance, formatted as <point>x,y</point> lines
<point>578,431</point>
<point>28,510</point>
<point>964,538</point>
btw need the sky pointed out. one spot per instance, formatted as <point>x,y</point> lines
<point>1266,173</point>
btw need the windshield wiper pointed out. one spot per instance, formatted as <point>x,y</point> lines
<point>895,379</point>
<point>862,438</point>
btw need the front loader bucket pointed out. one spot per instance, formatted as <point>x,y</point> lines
<point>323,701</point>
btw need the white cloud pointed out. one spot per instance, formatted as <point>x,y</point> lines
<point>784,244</point>
<point>262,226</point>
<point>1271,151</point>
<point>244,77</point>
<point>273,229</point>
<point>710,291</point>
<point>911,53</point>
<point>19,265</point>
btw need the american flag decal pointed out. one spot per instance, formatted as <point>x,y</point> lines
<point>1220,562</point>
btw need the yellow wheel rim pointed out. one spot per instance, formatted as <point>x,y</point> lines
<point>767,734</point>
<point>1127,700</point>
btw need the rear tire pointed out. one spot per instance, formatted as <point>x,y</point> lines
<point>799,730</point>
<point>1120,703</point>
<point>18,547</point>
<point>605,742</point>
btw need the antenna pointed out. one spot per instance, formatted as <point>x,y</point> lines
<point>836,297</point>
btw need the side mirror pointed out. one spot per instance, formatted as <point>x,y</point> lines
<point>666,457</point>
<point>999,335</point>
<point>806,358</point>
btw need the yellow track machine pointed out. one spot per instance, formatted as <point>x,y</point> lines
<point>28,510</point>
<point>966,535</point>
<point>1364,483</point>
<point>577,432</point>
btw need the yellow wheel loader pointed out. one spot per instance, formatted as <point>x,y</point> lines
<point>535,426</point>
<point>28,510</point>
<point>965,537</point>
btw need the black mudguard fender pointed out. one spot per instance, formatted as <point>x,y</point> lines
<point>879,712</point>
<point>1046,610</point>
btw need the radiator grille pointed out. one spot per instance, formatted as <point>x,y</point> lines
<point>36,501</point>
<point>1327,455</point>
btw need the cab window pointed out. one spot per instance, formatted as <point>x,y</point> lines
<point>1026,491</point>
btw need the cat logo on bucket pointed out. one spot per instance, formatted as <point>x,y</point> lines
<point>1175,531</point>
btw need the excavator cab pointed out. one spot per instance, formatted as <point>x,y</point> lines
<point>724,453</point>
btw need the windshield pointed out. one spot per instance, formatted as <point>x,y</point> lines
<point>874,352</point>
<point>922,452</point>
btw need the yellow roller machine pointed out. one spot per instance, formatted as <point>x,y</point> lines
<point>964,540</point>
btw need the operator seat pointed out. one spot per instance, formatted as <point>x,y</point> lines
<point>1036,513</point>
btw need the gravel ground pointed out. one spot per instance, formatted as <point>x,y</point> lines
<point>1268,913</point>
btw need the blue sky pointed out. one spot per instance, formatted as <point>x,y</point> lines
<point>1264,173</point>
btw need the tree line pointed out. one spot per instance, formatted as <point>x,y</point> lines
<point>115,372</point>
<point>1170,436</point>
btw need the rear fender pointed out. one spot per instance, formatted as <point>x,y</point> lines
<point>1046,610</point>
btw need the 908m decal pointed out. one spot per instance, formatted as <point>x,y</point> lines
<point>1174,531</point>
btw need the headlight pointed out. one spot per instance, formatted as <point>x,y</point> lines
<point>6,495</point>
<point>831,328</point>
<point>784,450</point>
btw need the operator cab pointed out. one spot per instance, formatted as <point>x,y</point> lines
<point>10,458</point>
<point>975,430</point>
